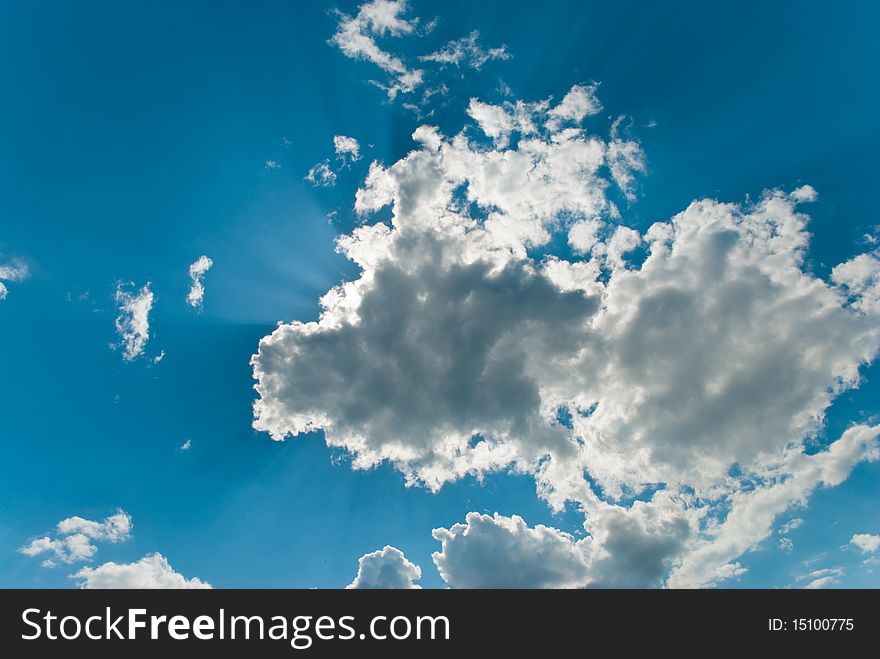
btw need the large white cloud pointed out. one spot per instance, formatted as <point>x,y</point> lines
<point>386,568</point>
<point>133,319</point>
<point>151,571</point>
<point>503,552</point>
<point>693,360</point>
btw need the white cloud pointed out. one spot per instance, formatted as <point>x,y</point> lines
<point>821,578</point>
<point>503,552</point>
<point>321,176</point>
<point>347,148</point>
<point>626,158</point>
<point>386,568</point>
<point>580,102</point>
<point>694,376</point>
<point>822,582</point>
<point>197,270</point>
<point>356,37</point>
<point>786,545</point>
<point>186,445</point>
<point>867,543</point>
<point>14,271</point>
<point>467,52</point>
<point>272,164</point>
<point>69,549</point>
<point>115,528</point>
<point>133,320</point>
<point>584,235</point>
<point>151,571</point>
<point>860,278</point>
<point>76,538</point>
<point>791,525</point>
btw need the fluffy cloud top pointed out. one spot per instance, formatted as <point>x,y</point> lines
<point>867,543</point>
<point>77,536</point>
<point>133,320</point>
<point>386,568</point>
<point>358,37</point>
<point>197,270</point>
<point>503,552</point>
<point>151,571</point>
<point>692,361</point>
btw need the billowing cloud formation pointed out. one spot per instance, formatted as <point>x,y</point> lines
<point>197,270</point>
<point>133,320</point>
<point>867,543</point>
<point>503,552</point>
<point>76,538</point>
<point>467,52</point>
<point>356,37</point>
<point>386,568</point>
<point>14,271</point>
<point>664,381</point>
<point>152,571</point>
<point>347,148</point>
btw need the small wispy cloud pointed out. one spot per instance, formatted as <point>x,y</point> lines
<point>272,164</point>
<point>791,525</point>
<point>133,319</point>
<point>10,272</point>
<point>321,175</point>
<point>467,52</point>
<point>348,149</point>
<point>197,270</point>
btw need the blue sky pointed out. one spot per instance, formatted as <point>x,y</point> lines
<point>135,139</point>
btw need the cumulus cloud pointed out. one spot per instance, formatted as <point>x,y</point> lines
<point>77,536</point>
<point>356,37</point>
<point>693,361</point>
<point>321,175</point>
<point>197,270</point>
<point>503,552</point>
<point>9,272</point>
<point>386,568</point>
<point>867,543</point>
<point>347,149</point>
<point>151,571</point>
<point>133,319</point>
<point>467,52</point>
